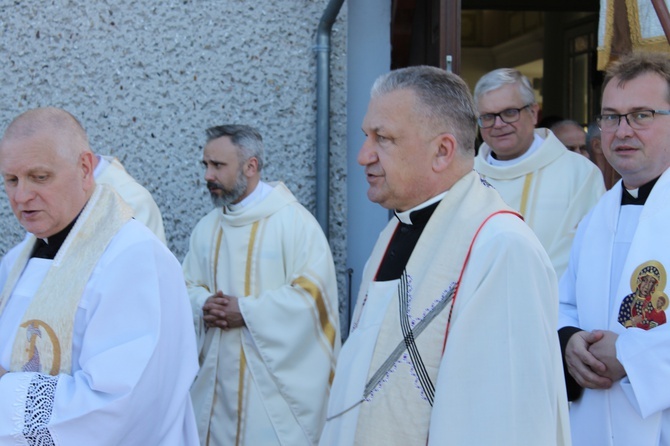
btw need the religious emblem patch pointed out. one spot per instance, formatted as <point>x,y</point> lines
<point>43,350</point>
<point>645,306</point>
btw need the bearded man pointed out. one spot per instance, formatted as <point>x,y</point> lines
<point>262,285</point>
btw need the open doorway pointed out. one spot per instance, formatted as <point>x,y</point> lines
<point>554,45</point>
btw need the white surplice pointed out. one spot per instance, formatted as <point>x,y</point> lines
<point>612,243</point>
<point>133,354</point>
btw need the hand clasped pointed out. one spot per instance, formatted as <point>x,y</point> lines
<point>222,311</point>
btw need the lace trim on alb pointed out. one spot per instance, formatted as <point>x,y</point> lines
<point>39,406</point>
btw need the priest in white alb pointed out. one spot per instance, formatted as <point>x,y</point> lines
<point>614,295</point>
<point>96,346</point>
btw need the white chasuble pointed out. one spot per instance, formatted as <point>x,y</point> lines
<point>424,396</point>
<point>553,189</point>
<point>267,382</point>
<point>145,210</point>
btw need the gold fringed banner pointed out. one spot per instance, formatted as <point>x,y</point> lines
<point>627,25</point>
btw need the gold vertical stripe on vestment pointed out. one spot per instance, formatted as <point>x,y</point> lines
<point>250,258</point>
<point>534,198</point>
<point>524,194</point>
<point>240,392</point>
<point>215,256</point>
<point>315,292</point>
<point>243,359</point>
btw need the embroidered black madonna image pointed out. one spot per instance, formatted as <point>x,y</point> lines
<point>645,306</point>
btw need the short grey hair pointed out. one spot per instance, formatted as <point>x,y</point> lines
<point>443,99</point>
<point>247,139</point>
<point>501,77</point>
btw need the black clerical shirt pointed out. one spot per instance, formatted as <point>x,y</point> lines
<point>642,194</point>
<point>402,244</point>
<point>49,249</point>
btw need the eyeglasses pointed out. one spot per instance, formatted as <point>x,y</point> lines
<point>507,116</point>
<point>637,120</point>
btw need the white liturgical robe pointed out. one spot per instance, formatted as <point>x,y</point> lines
<point>614,248</point>
<point>133,352</point>
<point>499,379</point>
<point>111,171</point>
<point>266,383</point>
<point>553,189</point>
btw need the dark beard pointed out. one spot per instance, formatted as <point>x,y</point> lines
<point>227,196</point>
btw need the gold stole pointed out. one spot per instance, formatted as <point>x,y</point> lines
<point>44,339</point>
<point>399,408</point>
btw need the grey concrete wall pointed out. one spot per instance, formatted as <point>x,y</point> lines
<point>146,78</point>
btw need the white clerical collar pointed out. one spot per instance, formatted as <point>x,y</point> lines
<point>537,142</point>
<point>404,215</point>
<point>634,192</point>
<point>261,191</point>
<point>102,165</point>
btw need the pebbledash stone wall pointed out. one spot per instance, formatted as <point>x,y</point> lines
<point>146,78</point>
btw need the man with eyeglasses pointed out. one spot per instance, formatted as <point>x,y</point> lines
<point>615,370</point>
<point>532,170</point>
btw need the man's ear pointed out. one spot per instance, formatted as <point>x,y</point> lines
<point>534,110</point>
<point>86,166</point>
<point>251,167</point>
<point>446,147</point>
<point>596,144</point>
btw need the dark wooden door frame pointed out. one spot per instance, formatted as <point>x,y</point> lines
<point>450,34</point>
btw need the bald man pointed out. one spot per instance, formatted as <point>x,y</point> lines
<point>94,323</point>
<point>572,135</point>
